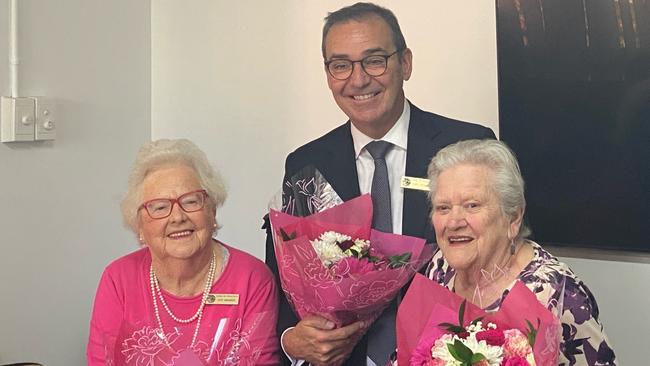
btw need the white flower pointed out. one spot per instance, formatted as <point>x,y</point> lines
<point>531,359</point>
<point>329,253</point>
<point>493,354</point>
<point>332,237</point>
<point>328,250</point>
<point>361,244</point>
<point>440,350</point>
<point>475,328</point>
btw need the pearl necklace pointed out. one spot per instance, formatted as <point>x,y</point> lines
<point>155,288</point>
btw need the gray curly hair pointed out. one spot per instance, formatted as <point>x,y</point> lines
<point>507,181</point>
<point>156,154</point>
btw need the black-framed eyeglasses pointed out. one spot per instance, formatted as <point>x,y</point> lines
<point>373,65</point>
<point>160,208</point>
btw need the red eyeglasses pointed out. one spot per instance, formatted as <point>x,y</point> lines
<point>160,208</point>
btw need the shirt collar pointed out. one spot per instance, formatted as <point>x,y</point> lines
<point>397,135</point>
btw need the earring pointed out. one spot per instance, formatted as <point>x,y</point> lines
<point>214,226</point>
<point>512,247</point>
<point>141,239</point>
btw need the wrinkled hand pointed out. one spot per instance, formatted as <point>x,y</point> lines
<point>315,340</point>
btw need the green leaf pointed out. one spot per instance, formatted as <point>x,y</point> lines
<point>353,253</point>
<point>477,357</point>
<point>532,332</point>
<point>530,325</point>
<point>461,313</point>
<point>453,352</point>
<point>456,329</point>
<point>462,351</point>
<point>399,260</point>
<point>373,259</point>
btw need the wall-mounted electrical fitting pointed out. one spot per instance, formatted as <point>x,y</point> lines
<point>17,119</point>
<point>27,119</point>
<point>45,122</point>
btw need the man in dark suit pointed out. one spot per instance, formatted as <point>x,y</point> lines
<point>367,61</point>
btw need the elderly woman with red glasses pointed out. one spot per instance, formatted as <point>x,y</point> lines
<point>184,297</point>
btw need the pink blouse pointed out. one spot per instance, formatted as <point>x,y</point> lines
<point>237,329</point>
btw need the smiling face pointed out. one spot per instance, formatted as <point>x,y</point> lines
<point>373,103</point>
<point>471,229</point>
<point>181,235</point>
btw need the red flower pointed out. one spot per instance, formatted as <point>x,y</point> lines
<point>515,361</point>
<point>345,245</point>
<point>463,335</point>
<point>493,337</point>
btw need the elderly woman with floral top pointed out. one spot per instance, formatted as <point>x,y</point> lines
<point>477,196</point>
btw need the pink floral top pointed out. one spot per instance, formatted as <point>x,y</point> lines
<point>124,329</point>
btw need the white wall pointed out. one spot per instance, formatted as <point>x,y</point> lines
<point>242,79</point>
<point>245,81</point>
<point>59,201</point>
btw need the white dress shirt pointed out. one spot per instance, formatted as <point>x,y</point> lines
<point>395,162</point>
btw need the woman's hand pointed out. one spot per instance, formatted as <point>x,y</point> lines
<point>315,340</point>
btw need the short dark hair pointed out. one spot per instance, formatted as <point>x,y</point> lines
<point>361,11</point>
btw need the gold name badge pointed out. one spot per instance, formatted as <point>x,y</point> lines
<point>222,299</point>
<point>420,184</point>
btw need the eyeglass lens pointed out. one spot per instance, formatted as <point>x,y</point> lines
<point>189,202</point>
<point>373,65</point>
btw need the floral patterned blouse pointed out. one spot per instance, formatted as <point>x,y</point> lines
<point>584,342</point>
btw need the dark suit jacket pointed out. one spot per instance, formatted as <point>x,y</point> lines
<point>333,155</point>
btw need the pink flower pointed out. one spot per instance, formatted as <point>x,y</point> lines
<point>514,361</point>
<point>421,355</point>
<point>435,362</point>
<point>516,344</point>
<point>493,337</point>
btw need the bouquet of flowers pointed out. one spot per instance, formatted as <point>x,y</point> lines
<point>431,332</point>
<point>332,263</point>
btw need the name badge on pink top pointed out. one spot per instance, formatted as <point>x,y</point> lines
<point>222,299</point>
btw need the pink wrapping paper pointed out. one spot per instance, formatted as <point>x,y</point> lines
<point>233,341</point>
<point>428,304</point>
<point>341,297</point>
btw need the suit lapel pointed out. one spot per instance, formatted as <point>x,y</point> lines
<point>415,220</point>
<point>339,165</point>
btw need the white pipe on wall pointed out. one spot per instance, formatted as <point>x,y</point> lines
<point>13,48</point>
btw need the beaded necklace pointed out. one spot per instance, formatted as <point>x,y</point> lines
<point>155,288</point>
